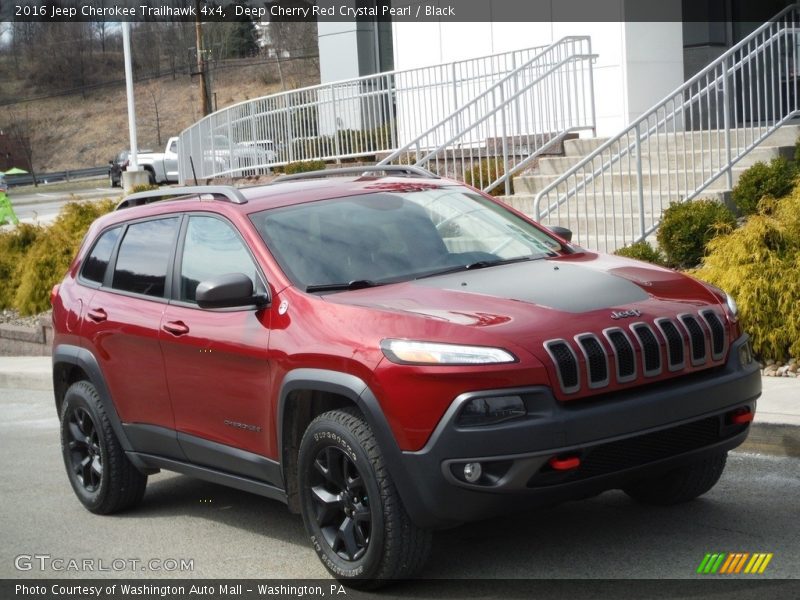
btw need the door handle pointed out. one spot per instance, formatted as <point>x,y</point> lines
<point>175,327</point>
<point>98,315</point>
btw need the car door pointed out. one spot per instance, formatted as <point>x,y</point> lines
<point>216,359</point>
<point>122,323</point>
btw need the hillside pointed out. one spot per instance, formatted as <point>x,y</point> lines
<point>87,130</point>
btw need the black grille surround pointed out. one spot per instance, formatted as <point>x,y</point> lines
<point>644,350</point>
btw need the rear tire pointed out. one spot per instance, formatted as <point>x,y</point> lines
<point>103,478</point>
<point>679,485</point>
<point>351,509</point>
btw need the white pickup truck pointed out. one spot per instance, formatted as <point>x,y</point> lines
<point>161,167</point>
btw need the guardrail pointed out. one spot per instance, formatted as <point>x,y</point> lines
<point>54,176</point>
<point>346,119</point>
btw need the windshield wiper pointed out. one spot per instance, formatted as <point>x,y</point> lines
<point>356,284</point>
<point>481,264</point>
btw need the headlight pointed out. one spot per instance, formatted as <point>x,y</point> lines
<point>731,303</point>
<point>407,352</point>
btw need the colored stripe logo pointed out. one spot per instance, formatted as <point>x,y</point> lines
<point>734,563</point>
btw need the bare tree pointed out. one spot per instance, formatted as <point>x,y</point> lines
<point>20,130</point>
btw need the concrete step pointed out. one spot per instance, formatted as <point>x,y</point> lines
<point>556,166</point>
<point>784,136</point>
<point>654,202</point>
<point>664,181</point>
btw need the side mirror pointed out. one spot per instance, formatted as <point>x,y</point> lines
<point>111,162</point>
<point>227,291</point>
<point>562,232</point>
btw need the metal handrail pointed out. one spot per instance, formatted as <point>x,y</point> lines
<point>334,121</point>
<point>486,106</point>
<point>365,171</point>
<point>721,114</point>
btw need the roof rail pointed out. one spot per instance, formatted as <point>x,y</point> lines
<point>222,192</point>
<point>366,171</point>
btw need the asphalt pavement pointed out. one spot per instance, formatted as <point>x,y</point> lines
<point>218,532</point>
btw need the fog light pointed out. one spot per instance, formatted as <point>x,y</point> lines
<point>745,354</point>
<point>472,472</point>
<point>490,410</point>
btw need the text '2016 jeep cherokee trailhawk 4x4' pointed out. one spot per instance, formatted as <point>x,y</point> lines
<point>388,353</point>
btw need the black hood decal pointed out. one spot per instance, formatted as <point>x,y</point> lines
<point>558,285</point>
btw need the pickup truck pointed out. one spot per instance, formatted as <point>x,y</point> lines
<point>161,167</point>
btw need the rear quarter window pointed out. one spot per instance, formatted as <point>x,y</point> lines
<point>96,263</point>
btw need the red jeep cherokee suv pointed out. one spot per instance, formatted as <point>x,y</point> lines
<point>387,353</point>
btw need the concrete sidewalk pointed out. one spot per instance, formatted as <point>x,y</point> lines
<point>776,427</point>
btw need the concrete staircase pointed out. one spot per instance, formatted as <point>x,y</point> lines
<point>664,173</point>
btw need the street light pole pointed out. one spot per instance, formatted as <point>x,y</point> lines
<point>126,45</point>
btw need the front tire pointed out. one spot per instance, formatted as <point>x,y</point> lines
<point>680,485</point>
<point>351,509</point>
<point>103,478</point>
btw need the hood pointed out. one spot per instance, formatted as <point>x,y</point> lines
<point>543,295</point>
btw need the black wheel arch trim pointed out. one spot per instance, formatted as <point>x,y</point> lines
<point>80,357</point>
<point>357,391</point>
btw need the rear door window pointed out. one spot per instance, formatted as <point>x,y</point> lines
<point>144,257</point>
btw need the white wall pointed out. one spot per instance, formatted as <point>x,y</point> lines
<point>637,64</point>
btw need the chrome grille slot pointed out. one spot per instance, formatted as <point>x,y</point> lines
<point>697,339</point>
<point>675,347</point>
<point>566,365</point>
<point>596,360</point>
<point>651,349</point>
<point>623,354</point>
<point>717,330</point>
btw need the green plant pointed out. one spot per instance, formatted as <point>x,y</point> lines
<point>759,265</point>
<point>687,227</point>
<point>642,251</point>
<point>485,172</point>
<point>774,179</point>
<point>48,257</point>
<point>304,166</point>
<point>143,187</point>
<point>14,244</point>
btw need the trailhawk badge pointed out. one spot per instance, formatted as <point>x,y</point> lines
<point>624,314</point>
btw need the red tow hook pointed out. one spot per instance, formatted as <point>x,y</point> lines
<point>740,416</point>
<point>564,463</point>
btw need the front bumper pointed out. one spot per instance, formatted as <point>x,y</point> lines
<point>618,438</point>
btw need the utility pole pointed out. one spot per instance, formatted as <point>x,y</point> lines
<point>205,104</point>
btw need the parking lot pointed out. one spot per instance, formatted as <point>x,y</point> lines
<point>223,533</point>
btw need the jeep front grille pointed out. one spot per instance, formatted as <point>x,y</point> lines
<point>596,360</point>
<point>697,339</point>
<point>566,364</point>
<point>651,349</point>
<point>717,333</point>
<point>674,339</point>
<point>621,355</point>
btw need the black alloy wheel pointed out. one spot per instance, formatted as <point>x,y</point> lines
<point>84,449</point>
<point>342,506</point>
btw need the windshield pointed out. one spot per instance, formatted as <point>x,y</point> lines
<point>396,236</point>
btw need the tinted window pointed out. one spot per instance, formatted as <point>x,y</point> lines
<point>144,255</point>
<point>94,268</point>
<point>212,248</point>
